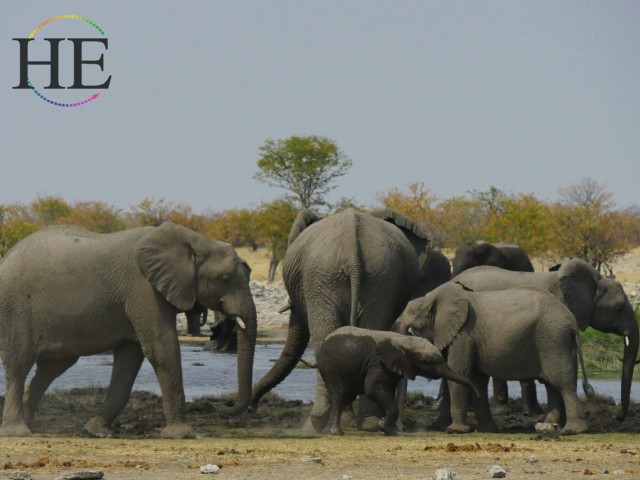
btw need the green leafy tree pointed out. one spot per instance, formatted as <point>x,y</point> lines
<point>273,223</point>
<point>306,166</point>
<point>49,210</point>
<point>98,217</point>
<point>16,223</point>
<point>234,226</point>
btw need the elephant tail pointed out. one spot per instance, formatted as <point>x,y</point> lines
<point>586,386</point>
<point>354,271</point>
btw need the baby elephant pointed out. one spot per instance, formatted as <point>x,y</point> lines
<point>355,361</point>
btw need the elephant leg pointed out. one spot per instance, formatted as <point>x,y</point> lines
<point>369,414</point>
<point>553,413</point>
<point>486,424</point>
<point>127,359</point>
<point>576,423</point>
<point>460,359</point>
<point>335,415</point>
<point>386,400</point>
<point>47,370</point>
<point>500,396</point>
<point>530,405</point>
<point>156,330</point>
<point>319,415</point>
<point>322,323</point>
<point>13,422</point>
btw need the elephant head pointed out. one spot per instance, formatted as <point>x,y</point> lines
<point>192,271</point>
<point>602,304</point>
<point>411,356</point>
<point>438,316</point>
<point>302,221</point>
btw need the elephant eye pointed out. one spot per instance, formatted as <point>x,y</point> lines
<point>226,278</point>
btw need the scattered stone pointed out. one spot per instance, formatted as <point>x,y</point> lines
<point>531,459</point>
<point>86,475</point>
<point>588,472</point>
<point>210,468</point>
<point>605,470</point>
<point>19,476</point>
<point>311,460</point>
<point>346,477</point>
<point>496,471</point>
<point>618,471</point>
<point>548,430</point>
<point>444,474</point>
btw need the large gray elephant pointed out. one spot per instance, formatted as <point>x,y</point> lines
<point>520,333</point>
<point>595,301</point>
<point>66,292</point>
<point>503,255</point>
<point>350,268</point>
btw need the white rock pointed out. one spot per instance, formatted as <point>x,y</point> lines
<point>311,459</point>
<point>619,471</point>
<point>531,459</point>
<point>88,475</point>
<point>496,471</point>
<point>548,430</point>
<point>444,474</point>
<point>210,468</point>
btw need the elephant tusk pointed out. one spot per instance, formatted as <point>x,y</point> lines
<point>626,341</point>
<point>241,323</point>
<point>413,332</point>
<point>285,308</point>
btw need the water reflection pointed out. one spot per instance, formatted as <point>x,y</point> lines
<point>210,373</point>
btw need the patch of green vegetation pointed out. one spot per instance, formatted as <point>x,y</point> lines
<point>603,351</point>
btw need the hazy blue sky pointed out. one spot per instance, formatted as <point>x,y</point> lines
<point>527,96</point>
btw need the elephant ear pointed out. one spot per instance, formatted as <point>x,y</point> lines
<point>414,233</point>
<point>166,258</point>
<point>395,358</point>
<point>449,311</point>
<point>579,284</point>
<point>302,221</point>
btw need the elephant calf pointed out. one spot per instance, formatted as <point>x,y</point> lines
<point>354,361</point>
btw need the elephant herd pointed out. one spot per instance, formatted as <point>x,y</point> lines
<point>352,278</point>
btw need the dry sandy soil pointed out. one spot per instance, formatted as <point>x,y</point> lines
<point>270,444</point>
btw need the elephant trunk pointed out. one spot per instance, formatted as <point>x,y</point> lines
<point>295,345</point>
<point>449,374</point>
<point>628,362</point>
<point>246,318</point>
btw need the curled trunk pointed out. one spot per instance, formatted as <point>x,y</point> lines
<point>449,374</point>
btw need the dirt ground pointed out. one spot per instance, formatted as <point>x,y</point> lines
<point>269,443</point>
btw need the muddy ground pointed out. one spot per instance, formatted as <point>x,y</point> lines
<point>269,443</point>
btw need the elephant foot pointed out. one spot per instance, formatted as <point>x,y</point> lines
<point>336,430</point>
<point>458,428</point>
<point>177,430</point>
<point>98,427</point>
<point>575,427</point>
<point>310,429</point>
<point>15,429</point>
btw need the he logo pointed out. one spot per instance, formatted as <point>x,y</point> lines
<point>54,62</point>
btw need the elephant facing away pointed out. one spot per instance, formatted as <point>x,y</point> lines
<point>515,334</point>
<point>66,292</point>
<point>594,301</point>
<point>350,268</point>
<point>503,255</point>
<point>354,361</point>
